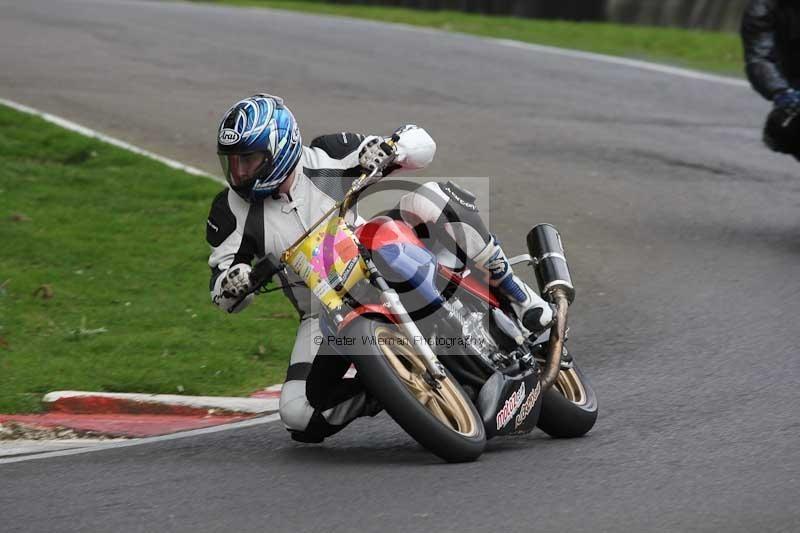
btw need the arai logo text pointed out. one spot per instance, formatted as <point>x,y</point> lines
<point>510,407</point>
<point>228,137</point>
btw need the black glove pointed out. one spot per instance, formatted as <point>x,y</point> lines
<point>788,100</point>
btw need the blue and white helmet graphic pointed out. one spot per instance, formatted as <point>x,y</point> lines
<point>259,144</point>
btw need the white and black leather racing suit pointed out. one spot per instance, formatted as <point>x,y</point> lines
<point>316,399</point>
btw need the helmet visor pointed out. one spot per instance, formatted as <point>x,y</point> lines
<point>243,169</point>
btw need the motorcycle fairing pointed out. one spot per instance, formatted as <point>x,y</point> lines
<point>384,230</point>
<point>472,284</point>
<point>410,268</point>
<point>329,330</point>
<point>375,311</point>
<point>510,405</point>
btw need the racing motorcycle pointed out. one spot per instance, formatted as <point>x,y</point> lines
<point>445,357</point>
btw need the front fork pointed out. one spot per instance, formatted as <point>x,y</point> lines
<point>391,300</point>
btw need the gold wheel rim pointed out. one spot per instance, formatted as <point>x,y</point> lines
<point>569,385</point>
<point>445,403</point>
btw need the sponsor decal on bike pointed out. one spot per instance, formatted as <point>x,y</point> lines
<point>228,137</point>
<point>335,277</point>
<point>455,196</point>
<point>527,407</point>
<point>510,407</point>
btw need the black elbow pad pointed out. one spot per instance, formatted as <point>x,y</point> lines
<point>221,221</point>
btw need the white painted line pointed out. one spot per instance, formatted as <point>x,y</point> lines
<point>88,132</point>
<point>148,440</point>
<point>17,448</point>
<point>614,60</point>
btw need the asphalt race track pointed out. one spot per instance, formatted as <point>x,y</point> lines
<point>683,235</point>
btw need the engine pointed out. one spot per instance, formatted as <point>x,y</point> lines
<point>491,334</point>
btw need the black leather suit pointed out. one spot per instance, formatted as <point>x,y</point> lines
<point>771,38</point>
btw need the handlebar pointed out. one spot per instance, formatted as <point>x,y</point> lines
<point>363,181</point>
<point>263,271</point>
<point>260,275</point>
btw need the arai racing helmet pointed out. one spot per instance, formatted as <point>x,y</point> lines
<point>259,145</point>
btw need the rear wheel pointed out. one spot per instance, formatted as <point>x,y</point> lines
<point>441,418</point>
<point>569,408</point>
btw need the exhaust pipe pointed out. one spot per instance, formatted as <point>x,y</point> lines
<point>555,285</point>
<point>549,262</point>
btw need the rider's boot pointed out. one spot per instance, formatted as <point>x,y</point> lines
<point>535,314</point>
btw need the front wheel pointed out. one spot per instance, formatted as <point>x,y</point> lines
<point>569,408</point>
<point>442,419</point>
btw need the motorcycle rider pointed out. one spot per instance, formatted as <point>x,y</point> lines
<point>771,37</point>
<point>277,188</point>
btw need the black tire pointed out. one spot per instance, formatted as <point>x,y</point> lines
<point>564,418</point>
<point>381,381</point>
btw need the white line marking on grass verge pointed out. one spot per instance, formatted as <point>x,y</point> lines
<point>614,60</point>
<point>88,132</point>
<point>137,442</point>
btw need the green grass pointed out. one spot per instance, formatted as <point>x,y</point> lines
<point>119,241</point>
<point>704,50</point>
